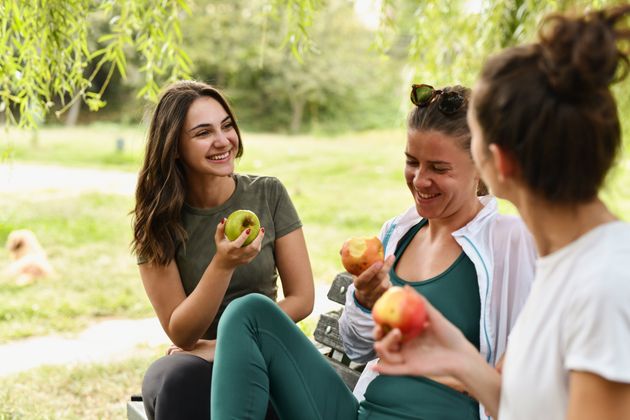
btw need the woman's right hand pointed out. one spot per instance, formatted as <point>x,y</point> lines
<point>373,282</point>
<point>437,351</point>
<point>231,254</point>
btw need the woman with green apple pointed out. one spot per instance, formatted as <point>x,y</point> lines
<point>190,270</point>
<point>546,132</point>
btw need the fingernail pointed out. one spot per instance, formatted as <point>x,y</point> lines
<point>262,230</point>
<point>223,220</point>
<point>248,231</point>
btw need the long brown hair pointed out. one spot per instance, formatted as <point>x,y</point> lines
<point>160,192</point>
<point>549,104</point>
<point>430,118</point>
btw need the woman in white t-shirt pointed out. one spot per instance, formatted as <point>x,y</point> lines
<point>545,133</point>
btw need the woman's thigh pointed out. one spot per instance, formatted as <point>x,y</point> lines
<point>275,359</point>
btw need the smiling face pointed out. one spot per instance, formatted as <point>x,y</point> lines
<point>440,174</point>
<point>209,141</point>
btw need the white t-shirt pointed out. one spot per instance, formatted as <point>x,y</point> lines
<point>577,318</point>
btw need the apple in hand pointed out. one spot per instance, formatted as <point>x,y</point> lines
<point>239,221</point>
<point>402,308</point>
<point>359,253</point>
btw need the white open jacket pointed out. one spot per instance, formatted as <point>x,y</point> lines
<point>503,253</point>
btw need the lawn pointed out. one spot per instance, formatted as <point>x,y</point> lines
<point>341,186</point>
<point>75,392</point>
<point>86,237</point>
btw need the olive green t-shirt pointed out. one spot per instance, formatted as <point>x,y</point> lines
<point>265,196</point>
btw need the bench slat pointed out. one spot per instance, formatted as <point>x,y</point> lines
<point>327,330</point>
<point>349,375</point>
<point>337,292</point>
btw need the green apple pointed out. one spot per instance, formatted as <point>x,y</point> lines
<point>239,221</point>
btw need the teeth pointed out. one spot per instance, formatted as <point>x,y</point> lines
<point>427,196</point>
<point>219,157</point>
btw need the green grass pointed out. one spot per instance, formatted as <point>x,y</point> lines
<point>86,237</point>
<point>341,186</point>
<point>92,146</point>
<point>89,391</point>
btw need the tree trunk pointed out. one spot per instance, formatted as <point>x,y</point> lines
<point>297,108</point>
<point>73,114</point>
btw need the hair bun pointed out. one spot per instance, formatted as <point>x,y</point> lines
<point>580,54</point>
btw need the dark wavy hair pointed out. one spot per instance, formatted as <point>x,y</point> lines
<point>549,104</point>
<point>160,192</point>
<point>430,118</point>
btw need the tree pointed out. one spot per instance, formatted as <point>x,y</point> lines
<point>338,82</point>
<point>45,52</point>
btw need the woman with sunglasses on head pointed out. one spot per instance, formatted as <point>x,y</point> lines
<point>545,133</point>
<point>190,270</point>
<point>483,291</point>
<point>453,246</point>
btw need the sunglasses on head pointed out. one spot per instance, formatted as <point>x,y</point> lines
<point>447,102</point>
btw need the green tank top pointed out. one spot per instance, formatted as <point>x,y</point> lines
<point>455,293</point>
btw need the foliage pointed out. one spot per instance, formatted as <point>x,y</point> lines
<point>330,85</point>
<point>298,57</point>
<point>48,57</point>
<point>45,51</point>
<point>447,41</point>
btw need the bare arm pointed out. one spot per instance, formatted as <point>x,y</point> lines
<point>593,397</point>
<point>296,275</point>
<point>186,318</point>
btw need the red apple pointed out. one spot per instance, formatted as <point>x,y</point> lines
<point>357,254</point>
<point>402,308</point>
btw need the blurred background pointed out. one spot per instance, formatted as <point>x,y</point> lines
<point>320,90</point>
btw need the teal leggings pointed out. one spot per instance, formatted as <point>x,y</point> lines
<point>262,355</point>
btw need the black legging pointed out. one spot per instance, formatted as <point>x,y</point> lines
<point>177,387</point>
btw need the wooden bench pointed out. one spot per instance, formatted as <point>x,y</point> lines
<point>135,408</point>
<point>327,336</point>
<point>327,340</point>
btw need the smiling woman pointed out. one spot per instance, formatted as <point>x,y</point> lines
<point>474,263</point>
<point>546,130</point>
<point>190,270</point>
<point>453,247</point>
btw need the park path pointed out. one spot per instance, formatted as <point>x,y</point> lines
<point>106,340</point>
<point>32,178</point>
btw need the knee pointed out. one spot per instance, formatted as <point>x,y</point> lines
<point>247,306</point>
<point>177,383</point>
<point>174,374</point>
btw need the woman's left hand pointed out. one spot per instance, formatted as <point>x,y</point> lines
<point>203,348</point>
